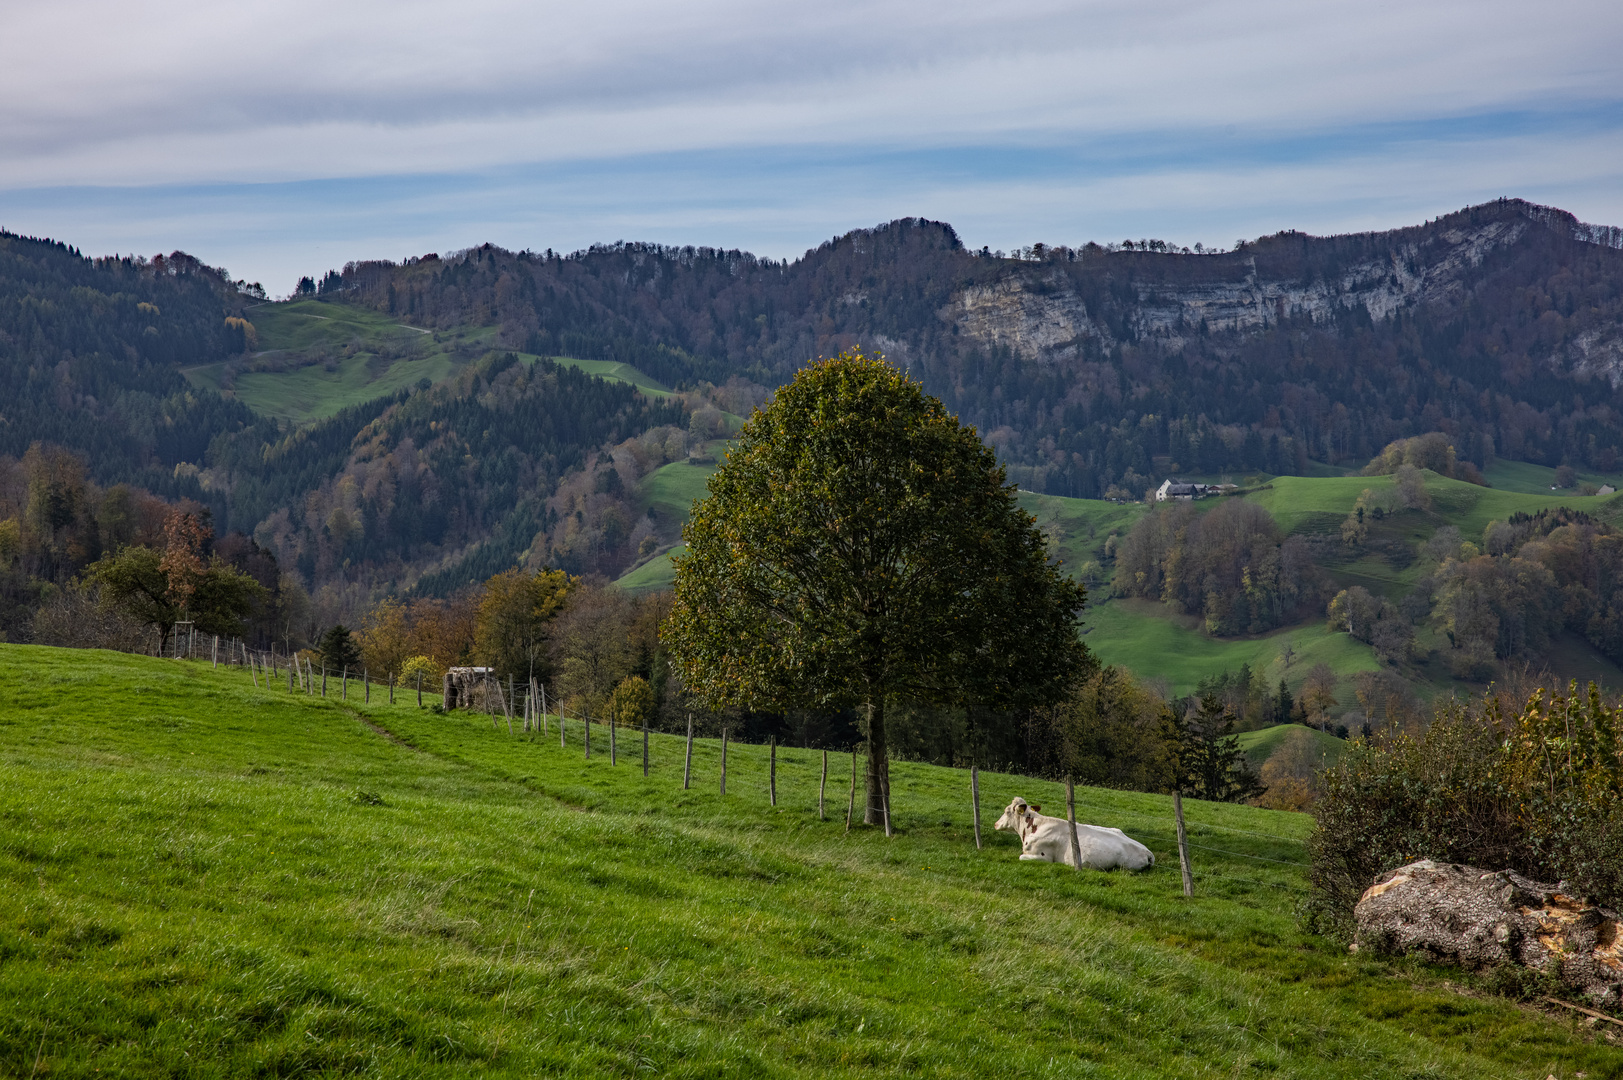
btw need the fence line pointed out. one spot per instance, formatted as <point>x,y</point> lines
<point>235,652</point>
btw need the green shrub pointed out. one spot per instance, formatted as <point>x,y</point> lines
<point>1540,792</point>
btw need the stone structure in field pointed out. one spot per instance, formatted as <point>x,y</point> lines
<point>467,687</point>
<point>1484,918</point>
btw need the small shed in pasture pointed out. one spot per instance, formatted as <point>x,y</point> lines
<point>466,687</point>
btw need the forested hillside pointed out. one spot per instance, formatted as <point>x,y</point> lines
<point>418,426</point>
<point>1099,368</point>
<point>90,352</point>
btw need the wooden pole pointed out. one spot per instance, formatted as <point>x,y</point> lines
<point>252,674</point>
<point>419,689</point>
<point>366,681</point>
<point>588,721</point>
<point>290,678</point>
<point>391,687</point>
<point>645,745</point>
<point>1070,815</point>
<point>851,806</point>
<point>724,761</point>
<point>772,769</point>
<point>822,785</point>
<point>510,704</point>
<point>323,678</point>
<point>216,650</point>
<point>613,758</point>
<point>884,796</point>
<point>687,766</point>
<point>1183,844</point>
<point>344,680</point>
<point>975,799</point>
<point>488,706</point>
<point>541,688</point>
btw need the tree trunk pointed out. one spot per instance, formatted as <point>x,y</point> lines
<point>878,766</point>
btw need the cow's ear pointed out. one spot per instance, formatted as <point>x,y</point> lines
<point>1035,809</point>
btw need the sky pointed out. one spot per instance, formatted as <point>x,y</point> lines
<point>285,139</point>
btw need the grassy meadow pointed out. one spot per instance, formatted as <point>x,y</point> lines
<point>335,355</point>
<point>201,878</point>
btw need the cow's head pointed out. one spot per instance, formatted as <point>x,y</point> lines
<point>1017,815</point>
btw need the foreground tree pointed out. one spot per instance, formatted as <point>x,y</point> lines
<point>858,547</point>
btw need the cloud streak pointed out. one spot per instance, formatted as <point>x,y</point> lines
<point>556,124</point>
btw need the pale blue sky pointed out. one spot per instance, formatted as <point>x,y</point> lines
<point>278,140</point>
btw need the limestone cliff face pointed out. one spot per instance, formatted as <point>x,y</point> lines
<point>1040,312</point>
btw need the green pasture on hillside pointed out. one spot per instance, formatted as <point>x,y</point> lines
<point>1146,638</point>
<point>310,336</point>
<point>652,576</point>
<point>1080,526</point>
<point>205,879</point>
<point>614,371</point>
<point>1260,745</point>
<point>1533,479</point>
<point>671,490</point>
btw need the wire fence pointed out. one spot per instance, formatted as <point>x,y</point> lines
<point>529,707</point>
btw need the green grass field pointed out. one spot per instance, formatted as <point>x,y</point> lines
<point>369,354</point>
<point>1147,639</point>
<point>204,879</point>
<point>1540,479</point>
<point>1259,745</point>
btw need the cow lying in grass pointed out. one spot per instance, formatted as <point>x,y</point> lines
<point>1046,838</point>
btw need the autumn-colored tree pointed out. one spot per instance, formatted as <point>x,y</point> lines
<point>1318,695</point>
<point>385,638</point>
<point>592,646</point>
<point>514,615</point>
<point>632,702</point>
<point>860,546</point>
<point>183,566</point>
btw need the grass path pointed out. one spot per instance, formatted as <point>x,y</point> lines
<point>198,878</point>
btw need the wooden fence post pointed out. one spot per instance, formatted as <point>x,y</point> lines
<point>366,681</point>
<point>884,795</point>
<point>216,650</point>
<point>510,704</point>
<point>852,805</point>
<point>252,674</point>
<point>344,682</point>
<point>772,770</point>
<point>724,760</point>
<point>613,757</point>
<point>1183,844</point>
<point>822,785</point>
<point>975,797</point>
<point>419,689</point>
<point>391,687</point>
<point>645,745</point>
<point>687,767</point>
<point>323,678</point>
<point>1070,815</point>
<point>587,720</point>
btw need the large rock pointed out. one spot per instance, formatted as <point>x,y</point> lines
<point>1483,918</point>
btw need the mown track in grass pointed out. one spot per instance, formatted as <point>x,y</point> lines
<point>199,878</point>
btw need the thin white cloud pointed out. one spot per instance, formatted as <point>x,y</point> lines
<point>99,92</point>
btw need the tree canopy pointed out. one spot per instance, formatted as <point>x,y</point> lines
<point>860,546</point>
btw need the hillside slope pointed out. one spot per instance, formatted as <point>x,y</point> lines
<point>201,877</point>
<point>1501,324</point>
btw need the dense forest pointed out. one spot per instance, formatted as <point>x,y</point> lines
<point>1095,371</point>
<point>1500,325</point>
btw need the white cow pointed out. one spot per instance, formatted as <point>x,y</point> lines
<point>1043,837</point>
